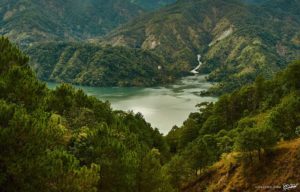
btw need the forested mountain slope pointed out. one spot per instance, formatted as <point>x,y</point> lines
<point>254,1</point>
<point>27,21</point>
<point>237,41</point>
<point>152,4</point>
<point>232,145</point>
<point>277,171</point>
<point>94,65</point>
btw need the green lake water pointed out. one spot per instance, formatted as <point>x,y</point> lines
<point>163,107</point>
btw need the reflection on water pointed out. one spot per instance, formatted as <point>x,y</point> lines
<point>163,107</point>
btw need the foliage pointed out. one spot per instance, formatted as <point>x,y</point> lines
<point>152,5</point>
<point>237,41</point>
<point>63,140</point>
<point>256,139</point>
<point>62,20</point>
<point>250,120</point>
<point>93,65</point>
<point>151,177</point>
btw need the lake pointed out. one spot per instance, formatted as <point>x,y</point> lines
<point>163,107</point>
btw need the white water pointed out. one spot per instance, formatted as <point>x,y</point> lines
<point>194,71</point>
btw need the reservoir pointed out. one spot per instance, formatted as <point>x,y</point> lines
<point>163,107</point>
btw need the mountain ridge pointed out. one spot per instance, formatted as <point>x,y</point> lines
<point>182,30</point>
<point>60,20</point>
<point>94,65</point>
<point>152,5</point>
<point>237,41</point>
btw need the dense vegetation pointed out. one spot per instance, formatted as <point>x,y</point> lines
<point>30,21</point>
<point>88,64</point>
<point>250,120</point>
<point>63,140</point>
<point>153,4</point>
<point>279,168</point>
<point>238,41</point>
<point>44,20</point>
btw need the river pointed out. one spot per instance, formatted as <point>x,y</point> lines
<point>163,107</point>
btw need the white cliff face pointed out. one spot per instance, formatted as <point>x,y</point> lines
<point>151,42</point>
<point>194,71</point>
<point>222,36</point>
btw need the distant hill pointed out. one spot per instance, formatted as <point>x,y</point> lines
<point>152,4</point>
<point>254,1</point>
<point>27,21</point>
<point>237,41</point>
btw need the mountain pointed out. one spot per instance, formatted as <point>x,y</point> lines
<point>94,65</point>
<point>152,4</point>
<point>254,1</point>
<point>27,21</point>
<point>237,41</point>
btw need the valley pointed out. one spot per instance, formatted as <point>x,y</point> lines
<point>149,96</point>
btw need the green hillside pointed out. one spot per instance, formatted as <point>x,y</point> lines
<point>93,65</point>
<point>277,171</point>
<point>237,41</point>
<point>235,139</point>
<point>27,21</point>
<point>255,1</point>
<point>152,4</point>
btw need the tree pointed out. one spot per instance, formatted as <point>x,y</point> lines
<point>61,99</point>
<point>151,177</point>
<point>258,91</point>
<point>178,170</point>
<point>202,153</point>
<point>173,139</point>
<point>285,117</point>
<point>256,140</point>
<point>32,154</point>
<point>63,173</point>
<point>190,132</point>
<point>225,144</point>
<point>291,76</point>
<point>213,125</point>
